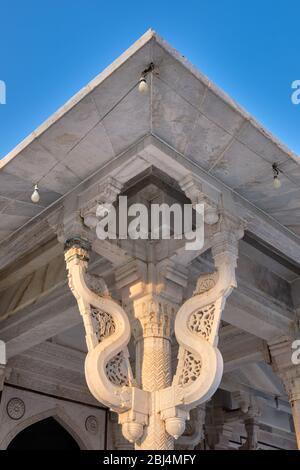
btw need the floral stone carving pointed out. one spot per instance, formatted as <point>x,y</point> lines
<point>154,413</point>
<point>15,408</point>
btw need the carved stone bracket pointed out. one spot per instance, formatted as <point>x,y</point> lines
<point>102,193</point>
<point>195,191</point>
<point>153,407</point>
<point>78,214</point>
<point>200,364</point>
<point>107,367</point>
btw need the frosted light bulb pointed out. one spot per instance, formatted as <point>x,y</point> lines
<point>276,182</point>
<point>35,196</point>
<point>143,86</point>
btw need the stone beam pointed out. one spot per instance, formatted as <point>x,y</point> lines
<point>25,241</point>
<point>239,348</point>
<point>30,326</point>
<point>65,372</point>
<point>111,251</point>
<point>257,315</point>
<point>30,263</point>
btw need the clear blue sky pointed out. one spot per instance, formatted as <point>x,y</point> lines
<point>49,49</point>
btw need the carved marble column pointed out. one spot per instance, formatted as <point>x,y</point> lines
<point>193,436</point>
<point>218,430</point>
<point>281,354</point>
<point>252,430</point>
<point>151,295</point>
<point>2,377</point>
<point>292,385</point>
<point>251,421</point>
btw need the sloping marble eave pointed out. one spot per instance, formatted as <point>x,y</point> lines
<point>183,109</point>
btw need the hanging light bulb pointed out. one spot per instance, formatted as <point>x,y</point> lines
<point>143,85</point>
<point>35,196</point>
<point>276,181</point>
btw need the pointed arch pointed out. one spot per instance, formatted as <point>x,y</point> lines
<point>60,416</point>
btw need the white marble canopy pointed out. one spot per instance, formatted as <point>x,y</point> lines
<point>184,110</point>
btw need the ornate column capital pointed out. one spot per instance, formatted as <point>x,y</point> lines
<point>281,352</point>
<point>250,414</point>
<point>202,193</point>
<point>105,192</point>
<point>151,294</point>
<point>68,224</point>
<point>77,216</point>
<point>218,430</point>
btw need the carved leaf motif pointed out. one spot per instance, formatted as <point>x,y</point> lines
<point>201,322</point>
<point>191,369</point>
<point>104,323</point>
<point>205,283</point>
<point>116,370</point>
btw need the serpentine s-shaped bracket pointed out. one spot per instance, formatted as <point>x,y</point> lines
<point>107,368</point>
<point>200,364</point>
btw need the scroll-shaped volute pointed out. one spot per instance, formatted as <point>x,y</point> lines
<point>107,328</point>
<point>200,364</point>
